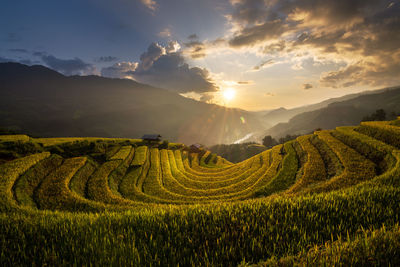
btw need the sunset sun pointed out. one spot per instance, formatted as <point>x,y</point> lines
<point>229,94</point>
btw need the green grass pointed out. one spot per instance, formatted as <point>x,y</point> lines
<point>199,235</point>
<point>314,168</point>
<point>9,173</point>
<point>368,248</point>
<point>14,138</point>
<point>78,182</point>
<point>122,153</point>
<point>27,183</point>
<point>63,140</point>
<point>356,167</point>
<point>286,175</point>
<point>140,156</point>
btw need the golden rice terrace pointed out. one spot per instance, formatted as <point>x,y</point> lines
<point>122,201</point>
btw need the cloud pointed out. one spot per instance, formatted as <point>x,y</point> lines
<point>206,98</point>
<point>172,47</point>
<point>269,94</point>
<point>363,35</point>
<point>307,86</point>
<point>166,33</point>
<point>18,50</point>
<point>263,64</point>
<point>269,30</point>
<point>249,11</point>
<point>74,66</point>
<point>28,62</point>
<point>106,59</point>
<point>379,73</point>
<point>12,37</point>
<point>196,48</point>
<point>119,70</point>
<point>275,47</point>
<point>343,75</point>
<point>165,67</point>
<point>245,82</point>
<point>22,61</point>
<point>193,37</point>
<point>150,4</point>
<point>153,53</point>
<point>5,60</point>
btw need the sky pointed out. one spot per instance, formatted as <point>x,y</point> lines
<point>262,54</point>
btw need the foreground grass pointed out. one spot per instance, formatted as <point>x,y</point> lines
<point>217,235</point>
<point>368,248</point>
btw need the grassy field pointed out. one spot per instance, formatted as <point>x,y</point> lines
<point>329,198</point>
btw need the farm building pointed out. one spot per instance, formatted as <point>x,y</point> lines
<point>195,147</point>
<point>151,137</point>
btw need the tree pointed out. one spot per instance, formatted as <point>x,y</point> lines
<point>268,141</point>
<point>378,115</point>
<point>164,145</point>
<point>287,138</point>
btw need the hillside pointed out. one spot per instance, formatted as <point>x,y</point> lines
<point>45,103</point>
<point>340,113</point>
<point>282,115</point>
<point>145,204</point>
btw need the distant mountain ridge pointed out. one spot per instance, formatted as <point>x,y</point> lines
<point>281,115</point>
<point>43,102</point>
<point>339,113</point>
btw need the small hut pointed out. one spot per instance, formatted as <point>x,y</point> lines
<point>195,148</point>
<point>151,137</point>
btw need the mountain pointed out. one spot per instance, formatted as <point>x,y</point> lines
<point>43,102</point>
<point>340,113</point>
<point>280,115</point>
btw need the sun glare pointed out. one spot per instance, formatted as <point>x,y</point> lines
<point>229,94</point>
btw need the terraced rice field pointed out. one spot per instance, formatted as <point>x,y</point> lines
<point>133,204</point>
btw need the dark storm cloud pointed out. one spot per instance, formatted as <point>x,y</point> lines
<point>164,67</point>
<point>106,59</point>
<point>74,66</point>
